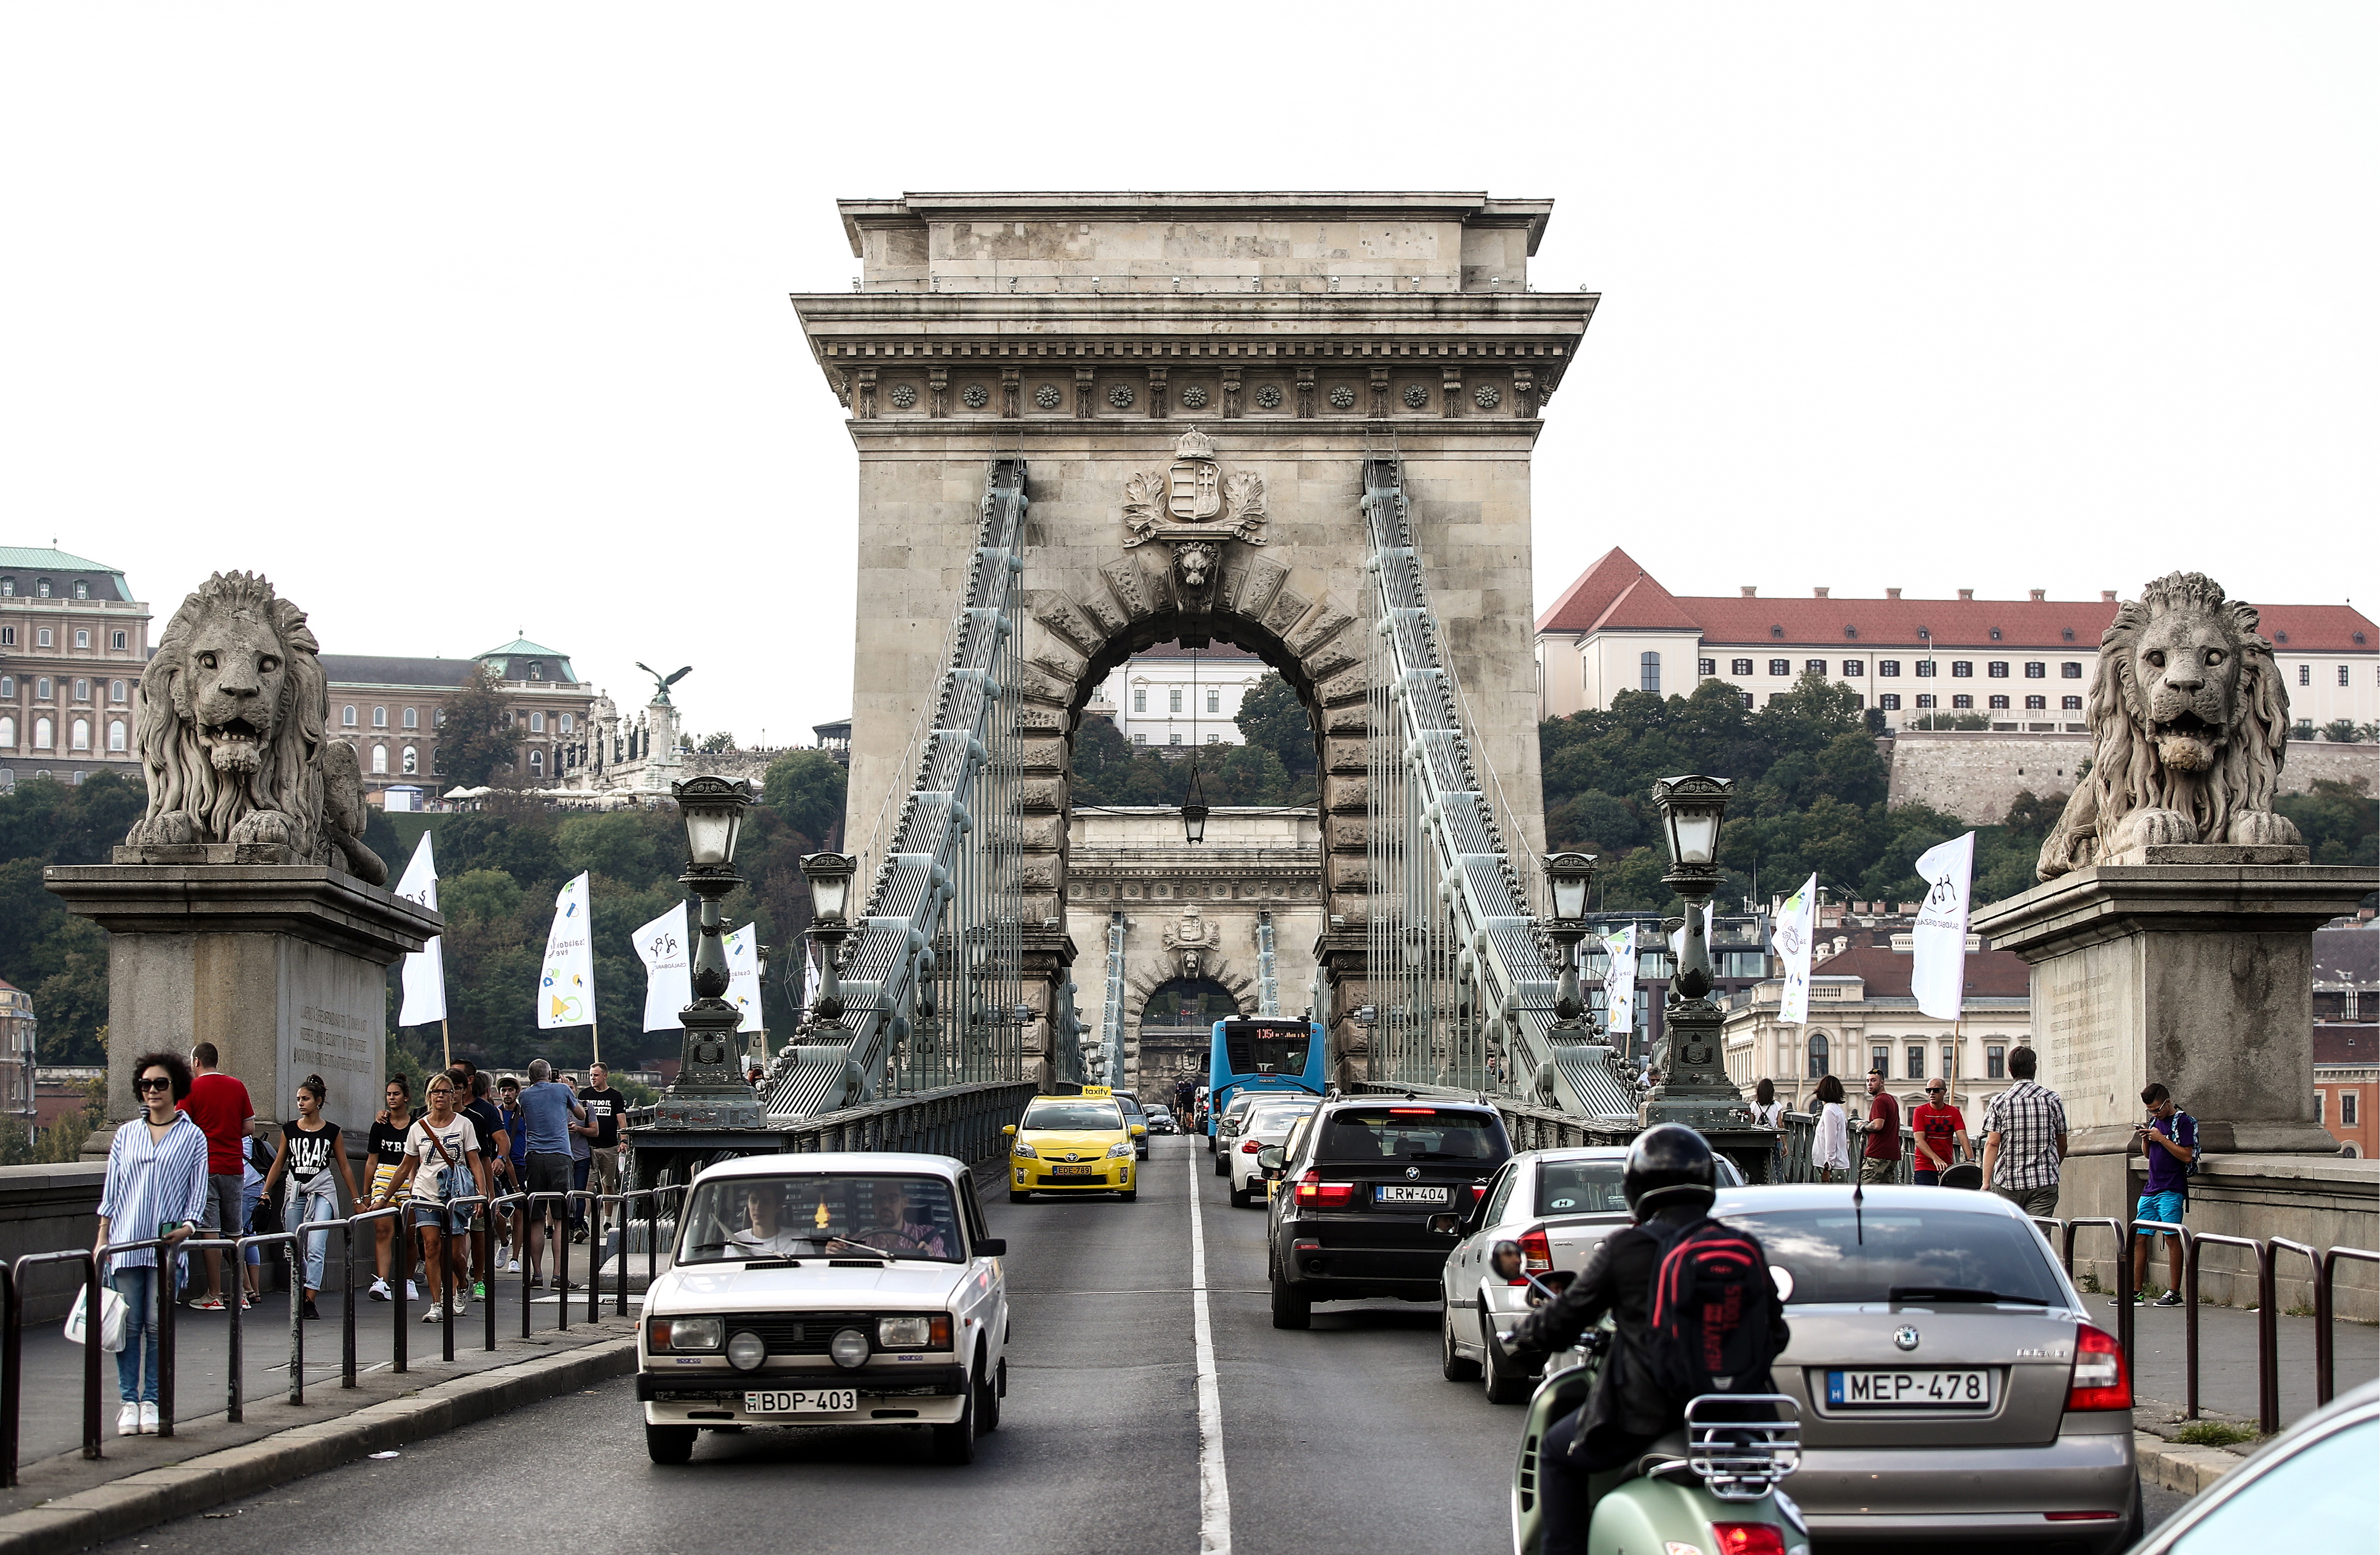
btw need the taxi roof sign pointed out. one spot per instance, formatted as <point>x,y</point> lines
<point>1099,1090</point>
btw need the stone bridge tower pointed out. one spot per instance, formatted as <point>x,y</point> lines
<point>1193,380</point>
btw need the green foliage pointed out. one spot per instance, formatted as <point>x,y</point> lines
<point>719,743</point>
<point>59,959</point>
<point>1810,796</point>
<point>2338,820</point>
<point>1275,767</point>
<point>806,788</point>
<point>1273,717</point>
<point>2214,1433</point>
<point>2345,731</point>
<point>1950,720</point>
<point>476,743</point>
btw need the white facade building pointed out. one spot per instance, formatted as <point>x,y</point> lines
<point>1171,695</point>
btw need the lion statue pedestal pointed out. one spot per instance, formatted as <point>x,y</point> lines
<point>243,908</point>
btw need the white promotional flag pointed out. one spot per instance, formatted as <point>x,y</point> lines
<point>744,975</point>
<point>1619,983</point>
<point>566,987</point>
<point>1678,938</point>
<point>1796,932</point>
<point>809,979</point>
<point>424,975</point>
<point>669,979</point>
<point>1937,975</point>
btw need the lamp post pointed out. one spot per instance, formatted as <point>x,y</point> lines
<point>1194,808</point>
<point>710,1091</point>
<point>1694,1089</point>
<point>830,876</point>
<point>1570,875</point>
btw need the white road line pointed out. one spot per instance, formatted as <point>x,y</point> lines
<point>1214,1491</point>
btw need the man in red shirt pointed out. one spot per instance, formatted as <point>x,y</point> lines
<point>1939,1132</point>
<point>219,1104</point>
<point>1882,1152</point>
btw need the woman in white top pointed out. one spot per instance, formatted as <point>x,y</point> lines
<point>1831,1147</point>
<point>442,1162</point>
<point>1769,1113</point>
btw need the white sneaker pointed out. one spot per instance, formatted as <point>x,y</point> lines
<point>148,1421</point>
<point>379,1291</point>
<point>412,1293</point>
<point>434,1315</point>
<point>461,1307</point>
<point>128,1420</point>
<point>513,1267</point>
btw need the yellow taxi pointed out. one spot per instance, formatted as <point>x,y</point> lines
<point>1071,1145</point>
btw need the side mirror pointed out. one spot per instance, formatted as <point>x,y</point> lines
<point>992,1246</point>
<point>1009,1129</point>
<point>1504,1261</point>
<point>1446,1223</point>
<point>1139,1130</point>
<point>1271,1157</point>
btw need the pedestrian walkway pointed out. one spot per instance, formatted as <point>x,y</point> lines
<point>2227,1358</point>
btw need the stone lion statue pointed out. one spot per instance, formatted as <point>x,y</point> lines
<point>233,733</point>
<point>2190,724</point>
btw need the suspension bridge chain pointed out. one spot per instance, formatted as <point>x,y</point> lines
<point>1267,968</point>
<point>933,978</point>
<point>1111,1017</point>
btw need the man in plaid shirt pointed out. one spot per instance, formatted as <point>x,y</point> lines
<point>2024,1139</point>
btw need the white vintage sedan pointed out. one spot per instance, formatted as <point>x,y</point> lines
<point>827,1290</point>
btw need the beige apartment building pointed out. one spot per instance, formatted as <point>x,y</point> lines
<point>390,709</point>
<point>72,643</point>
<point>2023,665</point>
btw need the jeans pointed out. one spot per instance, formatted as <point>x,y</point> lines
<point>139,1289</point>
<point>2042,1202</point>
<point>578,1170</point>
<point>311,1209</point>
<point>1927,1177</point>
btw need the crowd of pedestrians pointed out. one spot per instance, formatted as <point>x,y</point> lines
<point>193,1164</point>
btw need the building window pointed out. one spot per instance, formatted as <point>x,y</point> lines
<point>1739,666</point>
<point>1924,669</point>
<point>41,638</point>
<point>1879,1057</point>
<point>1889,668</point>
<point>1967,702</point>
<point>1214,739</point>
<point>2318,1098</point>
<point>379,718</point>
<point>1996,633</point>
<point>116,690</point>
<point>116,640</point>
<point>412,719</point>
<point>569,724</point>
<point>1140,739</point>
<point>1648,672</point>
<point>1706,666</point>
<point>347,716</point>
<point>1914,1068</point>
<point>116,735</point>
<point>8,686</point>
<point>2036,670</point>
<point>82,638</point>
<point>42,689</point>
<point>1139,699</point>
<point>42,589</point>
<point>537,724</point>
<point>2346,1108</point>
<point>1172,739</point>
<point>2342,680</point>
<point>537,762</point>
<point>1890,701</point>
<point>2071,669</point>
<point>1949,1059</point>
<point>1745,698</point>
<point>1925,700</point>
<point>1173,699</point>
<point>8,733</point>
<point>536,671</point>
<point>2071,704</point>
<point>1781,666</point>
<point>438,717</point>
<point>82,689</point>
<point>1995,1062</point>
<point>1963,669</point>
<point>1996,669</point>
<point>380,759</point>
<point>82,591</point>
<point>412,761</point>
<point>41,733</point>
<point>1815,666</point>
<point>1999,703</point>
<point>2036,704</point>
<point>1818,1055</point>
<point>7,636</point>
<point>1852,667</point>
<point>1776,697</point>
<point>7,588</point>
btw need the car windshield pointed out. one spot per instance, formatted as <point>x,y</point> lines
<point>1847,1255</point>
<point>1076,1115</point>
<point>1581,1188</point>
<point>1274,1119</point>
<point>1130,1105</point>
<point>1413,1134</point>
<point>820,1215</point>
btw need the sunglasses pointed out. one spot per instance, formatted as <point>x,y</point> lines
<point>159,1083</point>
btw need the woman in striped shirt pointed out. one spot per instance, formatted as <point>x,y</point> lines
<point>156,1186</point>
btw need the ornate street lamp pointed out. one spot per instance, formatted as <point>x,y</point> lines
<point>830,876</point>
<point>710,1091</point>
<point>1569,875</point>
<point>1194,808</point>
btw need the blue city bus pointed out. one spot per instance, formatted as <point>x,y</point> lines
<point>1265,1055</point>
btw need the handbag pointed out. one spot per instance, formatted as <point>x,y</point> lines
<point>111,1319</point>
<point>454,1179</point>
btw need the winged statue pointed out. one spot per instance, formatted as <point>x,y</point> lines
<point>661,683</point>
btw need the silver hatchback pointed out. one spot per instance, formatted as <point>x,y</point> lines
<point>1951,1384</point>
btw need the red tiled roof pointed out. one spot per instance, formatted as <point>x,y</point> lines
<point>1990,973</point>
<point>1646,606</point>
<point>2343,1042</point>
<point>1584,603</point>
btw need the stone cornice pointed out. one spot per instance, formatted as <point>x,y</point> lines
<point>1472,208</point>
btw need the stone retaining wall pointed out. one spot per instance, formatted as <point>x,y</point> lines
<point>1975,774</point>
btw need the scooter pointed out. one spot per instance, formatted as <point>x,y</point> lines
<point>1708,1487</point>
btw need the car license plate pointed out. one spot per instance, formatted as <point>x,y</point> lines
<point>1908,1390</point>
<point>1074,1171</point>
<point>1409,1192</point>
<point>818,1400</point>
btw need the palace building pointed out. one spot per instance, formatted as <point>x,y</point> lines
<point>73,641</point>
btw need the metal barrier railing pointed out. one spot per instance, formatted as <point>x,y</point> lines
<point>2269,1338</point>
<point>2123,1270</point>
<point>2326,1307</point>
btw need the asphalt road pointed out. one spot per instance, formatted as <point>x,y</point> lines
<point>1344,1438</point>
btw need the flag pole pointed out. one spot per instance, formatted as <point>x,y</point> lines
<point>594,1031</point>
<point>446,1040</point>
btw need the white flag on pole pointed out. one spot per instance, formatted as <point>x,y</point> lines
<point>1796,932</point>
<point>1678,938</point>
<point>1619,983</point>
<point>424,975</point>
<point>566,987</point>
<point>809,977</point>
<point>669,980</point>
<point>1937,974</point>
<point>744,975</point>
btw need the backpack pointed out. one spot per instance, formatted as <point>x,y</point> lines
<point>1710,1332</point>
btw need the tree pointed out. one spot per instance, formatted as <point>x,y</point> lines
<point>2339,822</point>
<point>476,741</point>
<point>1273,716</point>
<point>806,788</point>
<point>719,743</point>
<point>2345,731</point>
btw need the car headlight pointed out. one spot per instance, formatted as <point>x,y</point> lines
<point>747,1351</point>
<point>1123,1150</point>
<point>849,1349</point>
<point>685,1333</point>
<point>1020,1147</point>
<point>924,1331</point>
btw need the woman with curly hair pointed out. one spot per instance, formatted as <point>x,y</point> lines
<point>156,1186</point>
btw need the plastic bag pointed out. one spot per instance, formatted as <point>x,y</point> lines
<point>111,1319</point>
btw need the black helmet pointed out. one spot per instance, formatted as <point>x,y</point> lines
<point>1669,1164</point>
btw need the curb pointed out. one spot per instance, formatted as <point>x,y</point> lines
<point>159,1495</point>
<point>2169,1464</point>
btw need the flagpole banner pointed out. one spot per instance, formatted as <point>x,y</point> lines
<point>669,977</point>
<point>423,976</point>
<point>1937,974</point>
<point>1619,983</point>
<point>1795,933</point>
<point>744,975</point>
<point>809,979</point>
<point>566,987</point>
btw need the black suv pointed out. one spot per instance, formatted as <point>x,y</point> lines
<point>1359,1183</point>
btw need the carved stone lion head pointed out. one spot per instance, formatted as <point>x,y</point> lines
<point>2190,725</point>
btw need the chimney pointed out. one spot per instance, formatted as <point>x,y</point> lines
<point>1817,593</point>
<point>1750,592</point>
<point>2038,594</point>
<point>2106,596</point>
<point>1966,593</point>
<point>1892,593</point>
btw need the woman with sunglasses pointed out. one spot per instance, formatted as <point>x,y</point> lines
<point>442,1162</point>
<point>156,1187</point>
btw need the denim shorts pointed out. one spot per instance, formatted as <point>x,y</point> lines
<point>2165,1206</point>
<point>438,1218</point>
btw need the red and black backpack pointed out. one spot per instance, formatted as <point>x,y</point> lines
<point>1710,1332</point>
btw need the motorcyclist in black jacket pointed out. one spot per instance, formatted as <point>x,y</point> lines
<point>1669,1182</point>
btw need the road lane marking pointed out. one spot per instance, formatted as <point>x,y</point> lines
<point>1214,1491</point>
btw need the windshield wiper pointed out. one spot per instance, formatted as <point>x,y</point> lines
<point>1958,1293</point>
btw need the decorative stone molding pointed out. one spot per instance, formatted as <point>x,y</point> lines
<point>1525,390</point>
<point>975,396</point>
<point>938,392</point>
<point>1341,397</point>
<point>1121,396</point>
<point>1194,398</point>
<point>1049,397</point>
<point>903,396</point>
<point>1269,396</point>
<point>1487,396</point>
<point>1450,398</point>
<point>865,381</point>
<point>1009,408</point>
<point>1157,392</point>
<point>1380,373</point>
<point>1416,394</point>
<point>1232,392</point>
<point>1305,392</point>
<point>1086,382</point>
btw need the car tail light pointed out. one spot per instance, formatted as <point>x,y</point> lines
<point>1537,1253</point>
<point>2080,1517</point>
<point>1312,1189</point>
<point>2100,1380</point>
<point>1250,1149</point>
<point>1748,1539</point>
<point>1412,1112</point>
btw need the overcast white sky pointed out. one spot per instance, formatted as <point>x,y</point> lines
<point>458,320</point>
